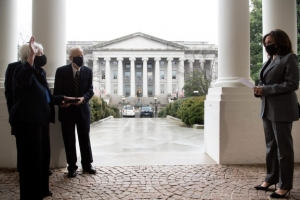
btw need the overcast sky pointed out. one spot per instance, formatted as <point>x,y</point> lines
<point>101,20</point>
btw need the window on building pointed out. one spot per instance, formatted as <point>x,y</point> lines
<point>150,76</point>
<point>115,74</point>
<point>127,90</point>
<point>162,63</point>
<point>102,63</point>
<point>103,74</point>
<point>149,65</point>
<point>174,88</point>
<point>127,76</point>
<point>115,63</point>
<point>162,88</point>
<point>173,74</point>
<point>162,74</point>
<point>139,76</point>
<point>127,66</point>
<point>173,63</point>
<point>115,88</point>
<point>150,90</point>
<point>139,66</point>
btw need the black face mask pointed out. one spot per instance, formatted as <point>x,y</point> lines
<point>40,61</point>
<point>78,61</point>
<point>271,49</point>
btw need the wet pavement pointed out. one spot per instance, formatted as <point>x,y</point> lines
<point>151,158</point>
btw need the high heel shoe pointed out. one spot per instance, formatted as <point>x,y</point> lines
<point>275,195</point>
<point>259,187</point>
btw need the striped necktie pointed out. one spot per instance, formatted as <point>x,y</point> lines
<point>77,83</point>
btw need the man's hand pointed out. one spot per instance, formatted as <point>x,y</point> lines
<point>81,101</point>
<point>65,102</point>
<point>258,90</point>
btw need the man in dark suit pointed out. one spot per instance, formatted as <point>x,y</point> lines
<point>74,82</point>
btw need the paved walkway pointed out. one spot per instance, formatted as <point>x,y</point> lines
<point>127,178</point>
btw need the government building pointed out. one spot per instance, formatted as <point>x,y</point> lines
<point>139,67</point>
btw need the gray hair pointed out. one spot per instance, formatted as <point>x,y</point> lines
<point>24,50</point>
<point>75,48</point>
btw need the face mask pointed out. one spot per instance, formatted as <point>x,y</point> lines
<point>78,61</point>
<point>271,49</point>
<point>40,61</point>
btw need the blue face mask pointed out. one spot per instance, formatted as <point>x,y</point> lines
<point>78,61</point>
<point>271,49</point>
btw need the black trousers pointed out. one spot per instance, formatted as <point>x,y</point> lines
<point>280,153</point>
<point>83,132</point>
<point>33,148</point>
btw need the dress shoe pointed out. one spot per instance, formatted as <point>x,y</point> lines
<point>50,172</point>
<point>90,170</point>
<point>278,196</point>
<point>259,187</point>
<point>49,193</point>
<point>72,173</point>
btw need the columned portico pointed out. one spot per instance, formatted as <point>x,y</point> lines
<point>145,81</point>
<point>132,77</point>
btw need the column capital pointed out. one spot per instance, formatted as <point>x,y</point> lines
<point>119,59</point>
<point>107,58</point>
<point>182,59</point>
<point>157,59</point>
<point>145,59</point>
<point>191,60</point>
<point>169,58</point>
<point>95,59</point>
<point>132,59</point>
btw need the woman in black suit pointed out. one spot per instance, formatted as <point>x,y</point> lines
<point>30,115</point>
<point>279,79</point>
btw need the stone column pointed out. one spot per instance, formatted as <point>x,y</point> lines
<point>96,77</point>
<point>169,76</point>
<point>157,76</point>
<point>233,131</point>
<point>132,77</point>
<point>180,77</point>
<point>120,76</point>
<point>107,76</point>
<point>191,69</point>
<point>145,80</point>
<point>8,54</point>
<point>280,15</point>
<point>49,29</point>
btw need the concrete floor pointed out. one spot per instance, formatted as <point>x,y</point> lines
<point>146,141</point>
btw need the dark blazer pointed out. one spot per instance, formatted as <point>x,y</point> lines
<point>29,96</point>
<point>8,83</point>
<point>64,86</point>
<point>280,80</point>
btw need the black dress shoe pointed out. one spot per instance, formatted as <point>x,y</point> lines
<point>49,193</point>
<point>259,187</point>
<point>72,173</point>
<point>90,170</point>
<point>278,196</point>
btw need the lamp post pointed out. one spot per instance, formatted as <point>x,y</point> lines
<point>122,104</point>
<point>155,106</point>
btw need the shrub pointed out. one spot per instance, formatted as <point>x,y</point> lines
<point>191,110</point>
<point>162,113</point>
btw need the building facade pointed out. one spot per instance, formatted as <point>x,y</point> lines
<point>142,66</point>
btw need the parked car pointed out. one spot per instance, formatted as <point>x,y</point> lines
<point>146,111</point>
<point>128,111</point>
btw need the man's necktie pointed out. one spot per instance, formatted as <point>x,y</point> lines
<point>77,83</point>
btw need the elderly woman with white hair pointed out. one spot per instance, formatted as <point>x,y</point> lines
<point>30,115</point>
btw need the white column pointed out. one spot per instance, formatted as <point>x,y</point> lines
<point>96,77</point>
<point>8,54</point>
<point>157,76</point>
<point>107,76</point>
<point>132,77</point>
<point>169,76</point>
<point>234,45</point>
<point>191,69</point>
<point>280,15</point>
<point>233,131</point>
<point>180,77</point>
<point>145,80</point>
<point>49,29</point>
<point>8,36</point>
<point>120,76</point>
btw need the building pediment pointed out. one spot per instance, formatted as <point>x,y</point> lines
<point>138,41</point>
